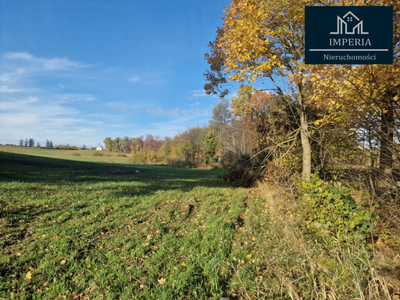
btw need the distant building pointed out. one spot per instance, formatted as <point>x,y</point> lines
<point>99,148</point>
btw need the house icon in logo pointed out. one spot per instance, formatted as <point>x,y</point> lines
<point>349,24</point>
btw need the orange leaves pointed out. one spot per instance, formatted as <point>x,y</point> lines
<point>257,36</point>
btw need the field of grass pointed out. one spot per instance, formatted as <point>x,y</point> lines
<point>85,155</point>
<point>79,229</point>
<point>85,230</point>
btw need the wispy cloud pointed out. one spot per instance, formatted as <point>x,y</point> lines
<point>199,93</point>
<point>8,89</point>
<point>134,79</point>
<point>18,55</point>
<point>18,65</point>
<point>41,119</point>
<point>28,110</point>
<point>70,98</point>
<point>195,104</point>
<point>177,112</point>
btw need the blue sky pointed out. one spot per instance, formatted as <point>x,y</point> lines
<point>78,71</point>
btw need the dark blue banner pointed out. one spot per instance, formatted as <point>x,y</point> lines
<point>349,35</point>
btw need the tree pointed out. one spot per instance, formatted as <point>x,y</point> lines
<point>117,142</point>
<point>210,145</point>
<point>136,144</point>
<point>26,143</point>
<point>31,143</point>
<point>221,114</point>
<point>37,144</point>
<point>21,142</point>
<point>108,142</point>
<point>84,147</point>
<point>367,96</point>
<point>125,144</point>
<point>166,149</point>
<point>265,39</point>
<point>51,144</point>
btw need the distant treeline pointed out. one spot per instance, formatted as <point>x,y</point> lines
<point>31,143</point>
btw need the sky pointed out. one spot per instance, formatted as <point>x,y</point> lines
<point>78,71</point>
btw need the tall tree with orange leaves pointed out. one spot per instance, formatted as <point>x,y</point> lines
<point>265,40</point>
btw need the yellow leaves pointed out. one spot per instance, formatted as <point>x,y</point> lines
<point>28,275</point>
<point>317,122</point>
<point>145,244</point>
<point>161,281</point>
<point>183,264</point>
<point>63,262</point>
<point>88,266</point>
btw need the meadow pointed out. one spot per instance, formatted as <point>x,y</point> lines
<point>74,228</point>
<point>85,155</point>
<point>90,230</point>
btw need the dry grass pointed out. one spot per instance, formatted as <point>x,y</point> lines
<point>315,270</point>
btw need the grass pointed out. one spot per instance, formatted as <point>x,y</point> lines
<point>101,230</point>
<point>71,228</point>
<point>85,155</point>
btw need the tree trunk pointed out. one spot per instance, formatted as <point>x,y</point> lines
<point>304,134</point>
<point>305,142</point>
<point>386,139</point>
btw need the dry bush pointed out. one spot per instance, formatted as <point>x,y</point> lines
<point>239,176</point>
<point>97,154</point>
<point>209,166</point>
<point>314,269</point>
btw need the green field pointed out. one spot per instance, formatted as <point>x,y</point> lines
<point>88,230</point>
<point>85,155</point>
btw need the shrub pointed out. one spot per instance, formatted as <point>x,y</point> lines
<point>238,176</point>
<point>242,173</point>
<point>76,154</point>
<point>97,154</point>
<point>209,166</point>
<point>332,211</point>
<point>182,164</point>
<point>216,166</point>
<point>120,155</point>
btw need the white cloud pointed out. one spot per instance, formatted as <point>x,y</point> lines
<point>41,119</point>
<point>69,98</point>
<point>19,64</point>
<point>195,104</point>
<point>134,79</point>
<point>199,93</point>
<point>177,112</point>
<point>59,64</point>
<point>8,89</point>
<point>18,55</point>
